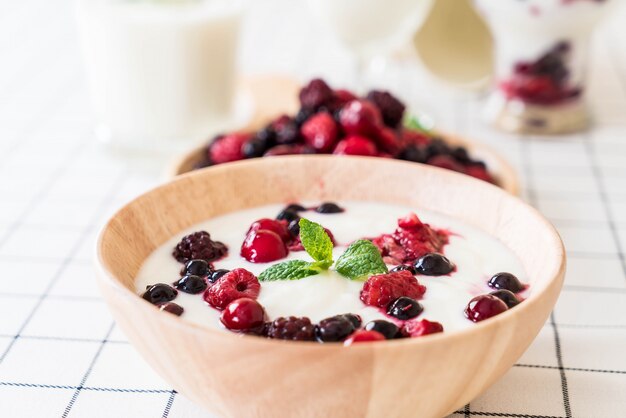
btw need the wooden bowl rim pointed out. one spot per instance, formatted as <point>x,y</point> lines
<point>505,171</point>
<point>107,278</point>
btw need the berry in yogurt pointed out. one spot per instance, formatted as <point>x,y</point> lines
<point>336,290</point>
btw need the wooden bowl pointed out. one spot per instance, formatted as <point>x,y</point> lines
<point>245,376</point>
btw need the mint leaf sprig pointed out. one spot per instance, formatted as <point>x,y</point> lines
<point>360,260</point>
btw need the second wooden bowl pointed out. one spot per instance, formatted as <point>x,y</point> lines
<point>246,376</point>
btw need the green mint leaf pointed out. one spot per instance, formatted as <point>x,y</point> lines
<point>316,241</point>
<point>288,270</point>
<point>361,259</point>
<point>413,123</point>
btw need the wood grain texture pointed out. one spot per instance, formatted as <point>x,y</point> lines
<point>275,95</point>
<point>242,376</point>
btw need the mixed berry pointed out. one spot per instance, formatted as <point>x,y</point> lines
<point>339,122</point>
<point>416,248</point>
<point>545,81</point>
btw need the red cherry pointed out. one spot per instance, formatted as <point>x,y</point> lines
<point>363,337</point>
<point>276,226</point>
<point>360,117</point>
<point>355,145</point>
<point>243,314</point>
<point>421,327</point>
<point>484,306</point>
<point>263,246</point>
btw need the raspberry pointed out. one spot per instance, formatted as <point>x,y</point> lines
<point>263,246</point>
<point>360,117</point>
<point>291,328</point>
<point>417,328</point>
<point>294,149</point>
<point>343,96</point>
<point>238,283</point>
<point>356,145</point>
<point>320,132</point>
<point>228,148</point>
<point>381,289</point>
<point>315,94</point>
<point>199,246</point>
<point>391,109</point>
<point>417,238</point>
<point>277,227</point>
<point>392,252</point>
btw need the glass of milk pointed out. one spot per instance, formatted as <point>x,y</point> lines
<point>161,73</point>
<point>541,58</point>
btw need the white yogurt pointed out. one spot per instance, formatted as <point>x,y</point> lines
<point>477,255</point>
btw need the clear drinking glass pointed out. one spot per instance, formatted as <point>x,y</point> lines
<point>161,73</point>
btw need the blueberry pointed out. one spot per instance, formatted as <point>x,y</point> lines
<point>287,215</point>
<point>507,297</point>
<point>413,153</point>
<point>267,135</point>
<point>191,284</point>
<point>196,268</point>
<point>159,293</point>
<point>506,281</point>
<point>335,328</point>
<point>354,318</point>
<point>433,264</point>
<point>215,275</point>
<point>405,308</point>
<point>294,227</point>
<point>437,146</point>
<point>172,308</point>
<point>294,207</point>
<point>302,115</point>
<point>328,207</point>
<point>388,329</point>
<point>405,267</point>
<point>254,148</point>
<point>288,133</point>
<point>460,154</point>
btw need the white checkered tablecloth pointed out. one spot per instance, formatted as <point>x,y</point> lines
<point>62,355</point>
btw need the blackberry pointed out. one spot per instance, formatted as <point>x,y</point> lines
<point>391,109</point>
<point>388,329</point>
<point>433,264</point>
<point>333,329</point>
<point>329,207</point>
<point>215,275</point>
<point>404,308</point>
<point>196,268</point>
<point>199,246</point>
<point>191,284</point>
<point>406,267</point>
<point>291,328</point>
<point>315,94</point>
<point>159,293</point>
<point>506,281</point>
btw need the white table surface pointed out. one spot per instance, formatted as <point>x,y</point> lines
<point>60,351</point>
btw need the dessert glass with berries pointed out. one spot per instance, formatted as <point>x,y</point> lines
<point>541,54</point>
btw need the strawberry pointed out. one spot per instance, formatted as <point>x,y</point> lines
<point>381,289</point>
<point>320,132</point>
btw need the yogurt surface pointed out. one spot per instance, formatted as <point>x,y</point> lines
<point>477,255</point>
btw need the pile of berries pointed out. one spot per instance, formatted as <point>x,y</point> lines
<point>485,306</point>
<point>272,239</point>
<point>410,241</point>
<point>338,122</point>
<point>544,81</point>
